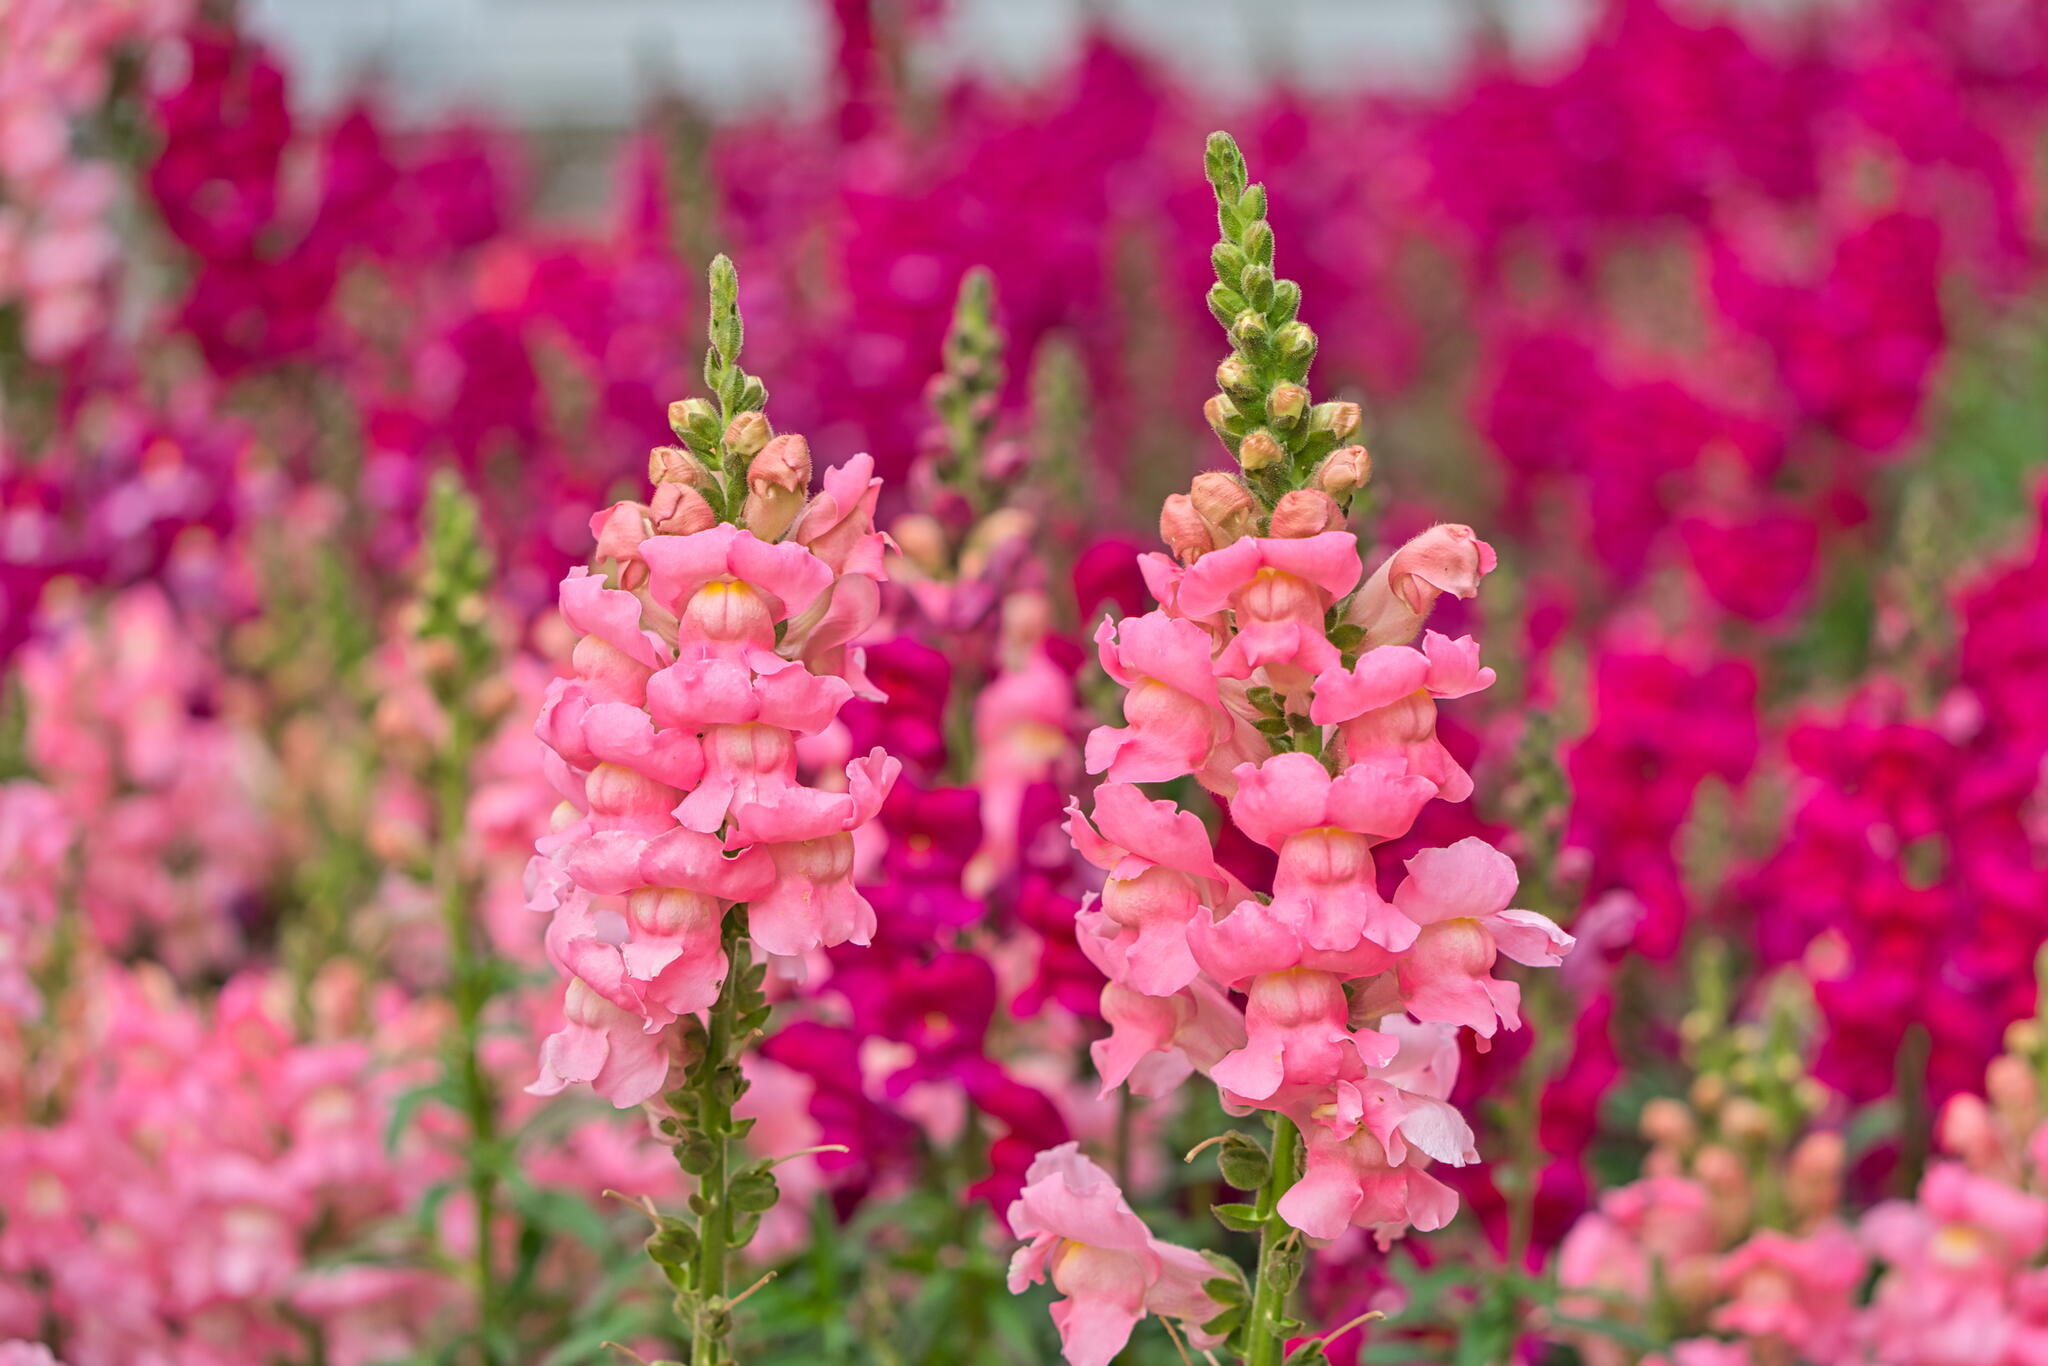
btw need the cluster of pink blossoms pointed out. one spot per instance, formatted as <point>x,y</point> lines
<point>712,660</point>
<point>1352,999</point>
<point>57,249</point>
<point>1959,1278</point>
<point>132,724</point>
<point>218,1183</point>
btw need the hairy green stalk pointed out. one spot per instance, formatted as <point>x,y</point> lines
<point>452,599</point>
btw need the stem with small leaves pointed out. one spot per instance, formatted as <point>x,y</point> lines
<point>1280,1259</point>
<point>457,575</point>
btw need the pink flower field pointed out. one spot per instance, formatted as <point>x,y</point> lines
<point>955,720</point>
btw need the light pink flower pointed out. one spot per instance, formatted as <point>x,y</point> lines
<point>1459,896</point>
<point>805,833</point>
<point>1657,1230</point>
<point>728,589</point>
<point>1397,598</point>
<point>1102,1259</point>
<point>1800,1291</point>
<point>1351,1180</point>
<point>19,1353</point>
<point>1278,590</point>
<point>1156,1042</point>
<point>1385,712</point>
<point>1162,874</point>
<point>1324,828</point>
<point>838,524</point>
<point>603,1044</point>
<point>1298,1040</point>
<point>1176,716</point>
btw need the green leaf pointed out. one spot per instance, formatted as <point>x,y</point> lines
<point>1224,1290</point>
<point>1243,1163</point>
<point>407,1107</point>
<point>1238,1217</point>
<point>1225,1321</point>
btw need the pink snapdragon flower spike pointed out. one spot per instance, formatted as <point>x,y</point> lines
<point>1103,1261</point>
<point>714,811</point>
<point>1268,651</point>
<point>710,654</point>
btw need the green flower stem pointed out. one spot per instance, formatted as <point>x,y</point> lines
<point>457,573</point>
<point>711,1323</point>
<point>1278,1262</point>
<point>469,992</point>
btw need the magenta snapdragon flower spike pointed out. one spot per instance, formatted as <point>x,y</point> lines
<point>1291,683</point>
<point>716,635</point>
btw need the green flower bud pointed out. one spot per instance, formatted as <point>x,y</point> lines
<point>1295,342</point>
<point>688,416</point>
<point>1248,329</point>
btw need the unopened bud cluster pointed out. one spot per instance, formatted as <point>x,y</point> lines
<point>1263,412</point>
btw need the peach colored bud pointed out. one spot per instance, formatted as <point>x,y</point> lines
<point>2010,1086</point>
<point>1225,506</point>
<point>1395,601</point>
<point>748,433</point>
<point>1969,1130</point>
<point>621,527</point>
<point>778,480</point>
<point>1708,1092</point>
<point>1668,1123</point>
<point>784,463</point>
<point>1338,419</point>
<point>1234,376</point>
<point>1286,403</point>
<point>1344,470</point>
<point>1221,412</point>
<point>679,510</point>
<point>1813,1181</point>
<point>674,465</point>
<point>1745,1121</point>
<point>921,539</point>
<point>1182,528</point>
<point>1728,1191</point>
<point>1306,512</point>
<point>1260,450</point>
